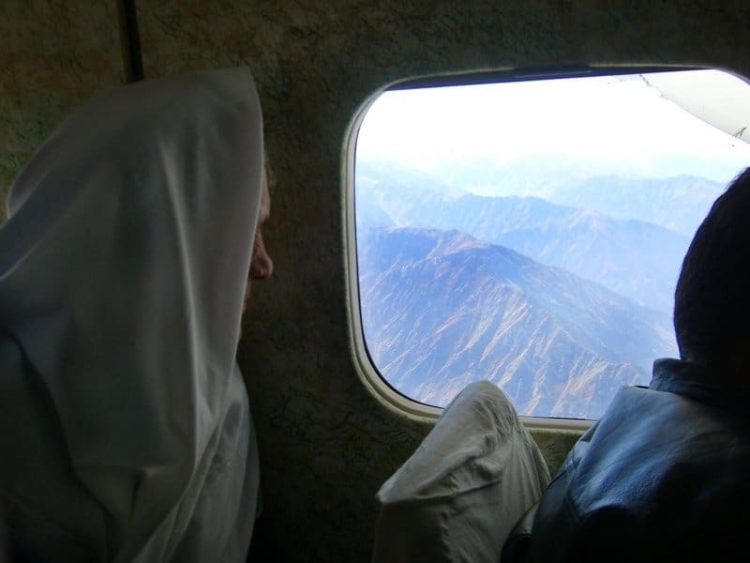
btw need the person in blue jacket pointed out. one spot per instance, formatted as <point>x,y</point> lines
<point>664,475</point>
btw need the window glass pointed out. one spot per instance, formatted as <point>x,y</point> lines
<point>530,232</point>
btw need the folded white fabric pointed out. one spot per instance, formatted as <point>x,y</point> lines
<point>462,491</point>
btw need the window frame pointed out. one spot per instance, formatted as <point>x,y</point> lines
<point>366,369</point>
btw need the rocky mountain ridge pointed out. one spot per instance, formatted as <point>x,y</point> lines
<point>442,309</point>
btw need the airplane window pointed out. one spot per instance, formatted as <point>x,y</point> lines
<point>530,231</point>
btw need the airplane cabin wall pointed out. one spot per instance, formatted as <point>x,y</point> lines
<point>326,443</point>
<point>54,54</point>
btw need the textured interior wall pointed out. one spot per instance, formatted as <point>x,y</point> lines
<point>55,53</point>
<point>327,444</point>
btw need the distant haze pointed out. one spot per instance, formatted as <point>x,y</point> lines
<point>608,124</point>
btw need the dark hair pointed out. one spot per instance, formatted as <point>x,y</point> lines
<point>712,298</point>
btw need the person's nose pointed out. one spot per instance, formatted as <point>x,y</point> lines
<point>261,267</point>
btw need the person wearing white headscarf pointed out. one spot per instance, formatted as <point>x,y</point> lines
<point>125,429</point>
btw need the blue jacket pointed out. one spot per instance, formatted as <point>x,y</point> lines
<point>663,476</point>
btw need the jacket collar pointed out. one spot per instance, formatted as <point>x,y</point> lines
<point>697,382</point>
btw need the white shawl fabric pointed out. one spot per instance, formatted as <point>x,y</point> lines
<point>125,429</point>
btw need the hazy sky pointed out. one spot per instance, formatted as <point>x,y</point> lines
<point>605,119</point>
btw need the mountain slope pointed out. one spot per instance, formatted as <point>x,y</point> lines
<point>441,309</point>
<point>638,260</point>
<point>634,258</point>
<point>677,203</point>
<point>672,191</point>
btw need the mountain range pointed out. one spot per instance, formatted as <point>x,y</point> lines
<point>441,309</point>
<point>635,258</point>
<point>553,279</point>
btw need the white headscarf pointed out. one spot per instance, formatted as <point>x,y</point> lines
<point>123,266</point>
